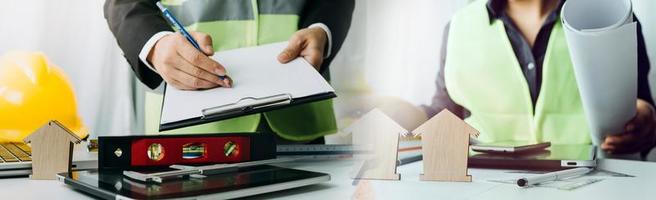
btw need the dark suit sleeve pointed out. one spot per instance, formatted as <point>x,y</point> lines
<point>644,91</point>
<point>336,14</point>
<point>133,22</point>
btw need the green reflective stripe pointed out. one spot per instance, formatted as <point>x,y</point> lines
<point>303,122</point>
<point>196,11</point>
<point>561,107</point>
<point>153,104</point>
<point>190,12</point>
<point>268,25</point>
<point>172,2</point>
<point>281,6</point>
<point>227,34</point>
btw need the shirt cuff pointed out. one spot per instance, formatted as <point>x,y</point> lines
<point>145,50</point>
<point>328,35</point>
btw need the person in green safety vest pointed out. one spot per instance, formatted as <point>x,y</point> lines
<point>506,70</point>
<point>315,31</point>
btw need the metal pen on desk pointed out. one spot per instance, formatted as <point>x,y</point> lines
<point>408,160</point>
<point>553,176</point>
<point>183,31</point>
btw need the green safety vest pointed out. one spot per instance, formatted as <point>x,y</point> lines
<point>483,75</point>
<point>241,23</point>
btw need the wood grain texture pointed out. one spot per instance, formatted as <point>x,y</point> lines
<point>445,145</point>
<point>379,132</point>
<point>364,191</point>
<point>52,149</point>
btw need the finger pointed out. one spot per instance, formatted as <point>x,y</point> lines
<point>191,81</point>
<point>204,41</point>
<point>292,50</point>
<point>178,84</point>
<point>314,56</point>
<point>170,80</point>
<point>617,149</point>
<point>190,69</point>
<point>610,139</point>
<point>607,147</point>
<point>196,58</point>
<point>227,81</point>
<point>612,143</point>
<point>634,132</point>
<point>619,139</point>
<point>165,69</point>
<point>626,143</point>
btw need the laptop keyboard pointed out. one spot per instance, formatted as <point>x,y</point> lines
<point>15,152</point>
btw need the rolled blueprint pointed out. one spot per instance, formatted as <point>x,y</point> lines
<point>602,40</point>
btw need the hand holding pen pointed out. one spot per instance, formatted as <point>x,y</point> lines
<point>183,59</point>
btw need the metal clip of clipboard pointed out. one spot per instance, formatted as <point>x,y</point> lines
<point>248,103</point>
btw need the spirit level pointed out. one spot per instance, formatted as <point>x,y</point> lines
<point>135,152</point>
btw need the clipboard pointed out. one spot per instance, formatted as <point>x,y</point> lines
<point>261,84</point>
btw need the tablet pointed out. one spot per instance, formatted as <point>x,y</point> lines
<point>553,158</point>
<point>510,147</point>
<point>247,181</point>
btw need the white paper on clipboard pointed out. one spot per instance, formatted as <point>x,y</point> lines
<point>256,73</point>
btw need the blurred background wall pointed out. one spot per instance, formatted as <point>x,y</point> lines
<point>389,59</point>
<point>74,36</point>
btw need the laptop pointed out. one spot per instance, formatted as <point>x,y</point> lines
<point>555,157</point>
<point>16,159</point>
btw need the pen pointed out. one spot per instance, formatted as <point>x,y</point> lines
<point>408,160</point>
<point>552,176</point>
<point>174,21</point>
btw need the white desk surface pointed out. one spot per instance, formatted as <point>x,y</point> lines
<point>617,188</point>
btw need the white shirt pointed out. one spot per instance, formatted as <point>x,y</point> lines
<point>145,50</point>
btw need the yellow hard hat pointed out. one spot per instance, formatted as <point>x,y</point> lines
<point>33,92</point>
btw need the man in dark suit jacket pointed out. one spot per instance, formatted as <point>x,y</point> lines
<point>316,30</point>
<point>135,22</point>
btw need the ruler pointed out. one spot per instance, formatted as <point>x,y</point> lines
<point>317,149</point>
<point>337,149</point>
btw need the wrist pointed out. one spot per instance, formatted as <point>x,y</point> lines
<point>145,55</point>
